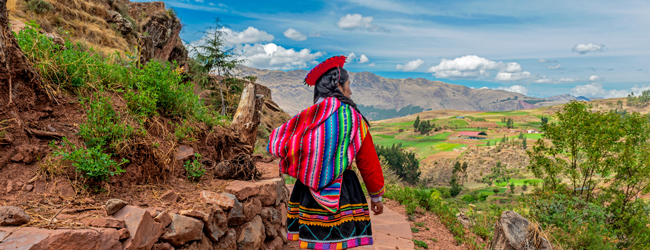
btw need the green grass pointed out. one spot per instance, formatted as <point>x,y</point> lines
<point>448,146</point>
<point>504,113</point>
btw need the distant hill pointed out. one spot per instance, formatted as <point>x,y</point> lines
<point>384,98</point>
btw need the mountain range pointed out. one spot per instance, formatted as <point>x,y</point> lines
<point>383,98</point>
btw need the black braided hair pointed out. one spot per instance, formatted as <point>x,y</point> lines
<point>327,86</point>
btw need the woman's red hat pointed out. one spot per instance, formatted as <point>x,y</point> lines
<point>320,69</point>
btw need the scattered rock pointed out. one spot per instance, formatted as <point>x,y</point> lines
<point>155,211</point>
<point>236,215</point>
<point>10,186</point>
<point>252,207</point>
<point>511,233</point>
<point>29,187</point>
<point>202,244</point>
<point>242,189</point>
<point>39,187</point>
<point>225,200</point>
<point>275,244</point>
<point>143,229</point>
<point>164,219</point>
<point>124,233</point>
<point>18,157</point>
<point>123,25</point>
<point>107,222</point>
<point>197,214</point>
<point>184,153</point>
<point>229,240</point>
<point>163,246</point>
<point>13,216</point>
<point>216,224</point>
<point>169,197</point>
<point>114,205</point>
<point>89,200</point>
<point>269,190</point>
<point>252,235</point>
<point>182,230</point>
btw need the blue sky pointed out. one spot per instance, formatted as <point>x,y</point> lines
<point>539,48</point>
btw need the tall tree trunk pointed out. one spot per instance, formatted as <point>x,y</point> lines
<point>248,115</point>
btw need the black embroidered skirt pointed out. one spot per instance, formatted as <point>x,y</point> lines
<point>316,228</point>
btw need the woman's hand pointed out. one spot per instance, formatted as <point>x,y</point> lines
<point>377,207</point>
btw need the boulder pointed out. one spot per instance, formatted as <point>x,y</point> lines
<point>236,215</point>
<point>114,205</point>
<point>36,238</point>
<point>143,230</point>
<point>225,200</point>
<point>282,208</point>
<point>252,234</point>
<point>107,222</point>
<point>13,216</point>
<point>164,219</point>
<point>270,191</point>
<point>216,224</point>
<point>242,189</point>
<point>123,25</point>
<point>202,244</point>
<point>182,230</point>
<point>162,246</point>
<point>228,241</point>
<point>124,233</point>
<point>252,207</point>
<point>275,244</point>
<point>163,41</point>
<point>511,232</point>
<point>197,214</point>
<point>169,197</point>
<point>272,222</point>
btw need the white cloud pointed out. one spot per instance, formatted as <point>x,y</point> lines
<point>546,61</point>
<point>294,35</point>
<point>472,66</point>
<point>371,65</point>
<point>315,34</point>
<point>484,88</point>
<point>363,59</point>
<point>516,89</point>
<point>272,56</point>
<point>543,80</point>
<point>211,4</point>
<point>350,58</point>
<point>410,66</point>
<point>584,48</point>
<point>198,1</point>
<point>554,67</point>
<point>248,36</point>
<point>507,76</point>
<point>596,90</point>
<point>568,80</point>
<point>594,78</point>
<point>357,21</point>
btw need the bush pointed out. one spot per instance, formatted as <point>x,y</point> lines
<point>92,162</point>
<point>468,198</point>
<point>103,126</point>
<point>495,190</point>
<point>403,162</point>
<point>39,6</point>
<point>421,244</point>
<point>194,168</point>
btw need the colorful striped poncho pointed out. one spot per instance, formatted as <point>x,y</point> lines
<point>317,145</point>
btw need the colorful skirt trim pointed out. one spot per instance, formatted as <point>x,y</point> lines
<point>317,228</point>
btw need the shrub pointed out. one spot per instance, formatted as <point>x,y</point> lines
<point>468,198</point>
<point>415,230</point>
<point>39,6</point>
<point>185,131</point>
<point>403,162</point>
<point>194,168</point>
<point>482,197</point>
<point>142,102</point>
<point>421,244</point>
<point>495,190</point>
<point>92,162</point>
<point>103,126</point>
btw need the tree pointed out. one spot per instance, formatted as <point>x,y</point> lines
<point>495,190</point>
<point>544,120</point>
<point>416,123</point>
<point>524,144</point>
<point>510,123</point>
<point>403,162</point>
<point>512,187</point>
<point>582,148</point>
<point>488,143</point>
<point>213,55</point>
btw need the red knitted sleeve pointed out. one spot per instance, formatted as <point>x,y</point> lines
<point>368,165</point>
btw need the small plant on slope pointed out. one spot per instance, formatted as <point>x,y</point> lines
<point>92,162</point>
<point>194,168</point>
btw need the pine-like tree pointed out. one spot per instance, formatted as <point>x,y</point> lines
<point>416,124</point>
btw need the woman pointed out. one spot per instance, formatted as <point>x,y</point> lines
<point>327,208</point>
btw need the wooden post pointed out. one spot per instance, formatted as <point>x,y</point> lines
<point>248,115</point>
